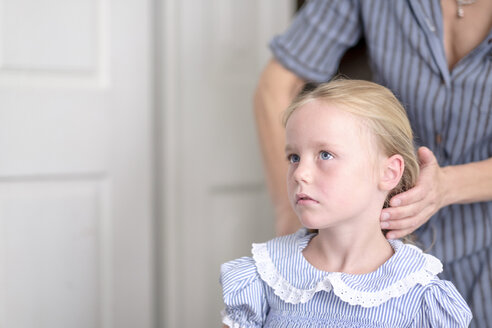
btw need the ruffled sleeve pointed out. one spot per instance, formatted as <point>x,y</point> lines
<point>442,306</point>
<point>244,294</point>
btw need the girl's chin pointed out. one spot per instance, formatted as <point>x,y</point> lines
<point>318,222</point>
<point>313,224</point>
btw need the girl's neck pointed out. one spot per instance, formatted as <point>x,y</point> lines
<point>349,250</point>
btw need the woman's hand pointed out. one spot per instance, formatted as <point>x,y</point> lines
<point>411,209</point>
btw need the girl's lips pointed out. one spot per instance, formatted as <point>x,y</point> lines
<point>303,199</point>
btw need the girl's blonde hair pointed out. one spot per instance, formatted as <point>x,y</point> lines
<point>381,112</point>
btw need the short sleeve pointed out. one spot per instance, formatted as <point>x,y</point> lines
<point>317,38</point>
<point>442,306</point>
<point>243,293</point>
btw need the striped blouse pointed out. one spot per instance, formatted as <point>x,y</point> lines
<point>450,111</point>
<point>278,287</point>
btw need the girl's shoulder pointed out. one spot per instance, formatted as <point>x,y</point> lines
<point>246,269</point>
<point>243,294</point>
<point>241,272</point>
<point>244,281</point>
<point>271,263</point>
<point>441,306</point>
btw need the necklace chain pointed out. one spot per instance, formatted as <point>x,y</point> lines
<point>460,3</point>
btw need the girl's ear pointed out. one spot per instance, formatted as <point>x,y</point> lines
<point>392,171</point>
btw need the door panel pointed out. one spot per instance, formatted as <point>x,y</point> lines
<point>54,252</point>
<point>76,164</point>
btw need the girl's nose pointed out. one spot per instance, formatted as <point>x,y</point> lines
<point>302,173</point>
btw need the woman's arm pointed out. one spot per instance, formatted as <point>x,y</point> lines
<point>276,89</point>
<point>469,183</point>
<point>436,187</point>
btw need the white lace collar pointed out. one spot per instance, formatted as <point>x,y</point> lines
<point>280,261</point>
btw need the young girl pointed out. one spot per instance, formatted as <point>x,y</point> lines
<point>350,148</point>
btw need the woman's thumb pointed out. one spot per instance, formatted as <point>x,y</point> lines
<point>426,156</point>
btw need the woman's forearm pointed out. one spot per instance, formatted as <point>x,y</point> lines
<point>468,183</point>
<point>276,89</point>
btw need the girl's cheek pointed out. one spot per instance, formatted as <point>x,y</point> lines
<point>290,183</point>
<point>326,168</point>
<point>328,163</point>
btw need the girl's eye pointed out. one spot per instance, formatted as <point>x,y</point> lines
<point>324,155</point>
<point>293,158</point>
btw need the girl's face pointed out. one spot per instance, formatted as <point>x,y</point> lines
<point>333,167</point>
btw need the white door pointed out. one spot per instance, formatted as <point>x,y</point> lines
<point>75,164</point>
<point>214,202</point>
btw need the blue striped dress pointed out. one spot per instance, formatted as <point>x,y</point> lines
<point>450,110</point>
<point>278,287</point>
